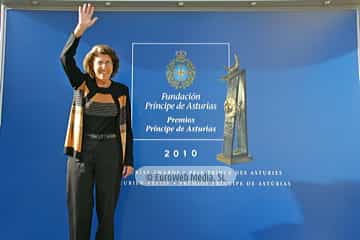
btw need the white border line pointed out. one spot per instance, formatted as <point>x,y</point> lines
<point>2,55</point>
<point>228,64</point>
<point>358,39</point>
<point>181,43</point>
<point>180,139</point>
<point>132,84</point>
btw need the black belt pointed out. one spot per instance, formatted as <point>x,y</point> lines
<point>101,136</point>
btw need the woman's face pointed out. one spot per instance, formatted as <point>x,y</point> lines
<point>103,67</point>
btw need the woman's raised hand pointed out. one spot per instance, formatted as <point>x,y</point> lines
<point>86,19</point>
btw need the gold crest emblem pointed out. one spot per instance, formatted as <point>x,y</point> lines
<point>180,71</point>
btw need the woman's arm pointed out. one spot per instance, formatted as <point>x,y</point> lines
<point>129,158</point>
<point>71,69</point>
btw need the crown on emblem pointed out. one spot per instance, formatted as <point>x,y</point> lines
<point>181,54</point>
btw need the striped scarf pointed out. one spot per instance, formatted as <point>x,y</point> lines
<point>74,133</point>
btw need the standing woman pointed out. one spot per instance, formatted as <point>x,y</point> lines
<point>99,136</point>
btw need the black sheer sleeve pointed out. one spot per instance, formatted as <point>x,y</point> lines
<point>129,158</point>
<point>75,75</point>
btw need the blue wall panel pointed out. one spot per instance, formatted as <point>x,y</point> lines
<point>303,115</point>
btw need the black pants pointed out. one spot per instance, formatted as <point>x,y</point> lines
<point>100,166</point>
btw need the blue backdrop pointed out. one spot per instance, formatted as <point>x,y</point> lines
<point>303,121</point>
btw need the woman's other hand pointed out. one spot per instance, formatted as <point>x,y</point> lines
<point>127,171</point>
<point>86,19</point>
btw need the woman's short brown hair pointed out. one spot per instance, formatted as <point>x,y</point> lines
<point>88,62</point>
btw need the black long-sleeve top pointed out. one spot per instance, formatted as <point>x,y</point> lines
<point>94,109</point>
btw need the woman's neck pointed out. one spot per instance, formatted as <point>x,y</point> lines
<point>103,83</point>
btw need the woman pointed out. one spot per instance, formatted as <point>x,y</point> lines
<point>99,136</point>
